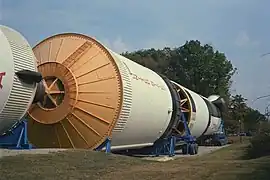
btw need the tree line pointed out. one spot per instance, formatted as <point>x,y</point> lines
<point>205,71</point>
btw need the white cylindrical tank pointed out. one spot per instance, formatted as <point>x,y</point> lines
<point>102,94</point>
<point>16,96</point>
<point>204,118</point>
<point>151,108</point>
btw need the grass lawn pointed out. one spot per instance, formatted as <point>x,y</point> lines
<point>227,163</point>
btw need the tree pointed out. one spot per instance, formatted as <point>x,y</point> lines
<point>239,111</point>
<point>238,106</point>
<point>156,60</point>
<point>207,71</point>
<point>252,120</point>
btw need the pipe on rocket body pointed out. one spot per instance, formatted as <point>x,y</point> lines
<point>154,108</point>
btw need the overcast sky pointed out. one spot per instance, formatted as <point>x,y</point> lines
<point>239,28</point>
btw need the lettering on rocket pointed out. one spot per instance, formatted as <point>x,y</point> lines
<point>2,74</point>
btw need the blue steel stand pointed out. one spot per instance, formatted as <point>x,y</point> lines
<point>164,147</point>
<point>221,127</point>
<point>16,138</point>
<point>217,139</point>
<point>167,146</point>
<point>190,146</point>
<point>221,136</point>
<point>106,144</point>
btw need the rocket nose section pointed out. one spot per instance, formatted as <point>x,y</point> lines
<point>218,101</point>
<point>213,97</point>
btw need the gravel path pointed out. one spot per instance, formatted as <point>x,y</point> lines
<point>6,152</point>
<point>203,150</point>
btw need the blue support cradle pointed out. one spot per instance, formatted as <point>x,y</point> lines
<point>16,138</point>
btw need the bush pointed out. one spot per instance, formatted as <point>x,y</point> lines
<point>260,143</point>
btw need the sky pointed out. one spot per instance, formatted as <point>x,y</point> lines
<point>239,28</point>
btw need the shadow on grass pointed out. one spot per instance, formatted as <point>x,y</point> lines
<point>63,165</point>
<point>257,169</point>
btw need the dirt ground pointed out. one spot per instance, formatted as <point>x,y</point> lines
<point>226,163</point>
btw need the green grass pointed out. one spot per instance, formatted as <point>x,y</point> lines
<point>226,163</point>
